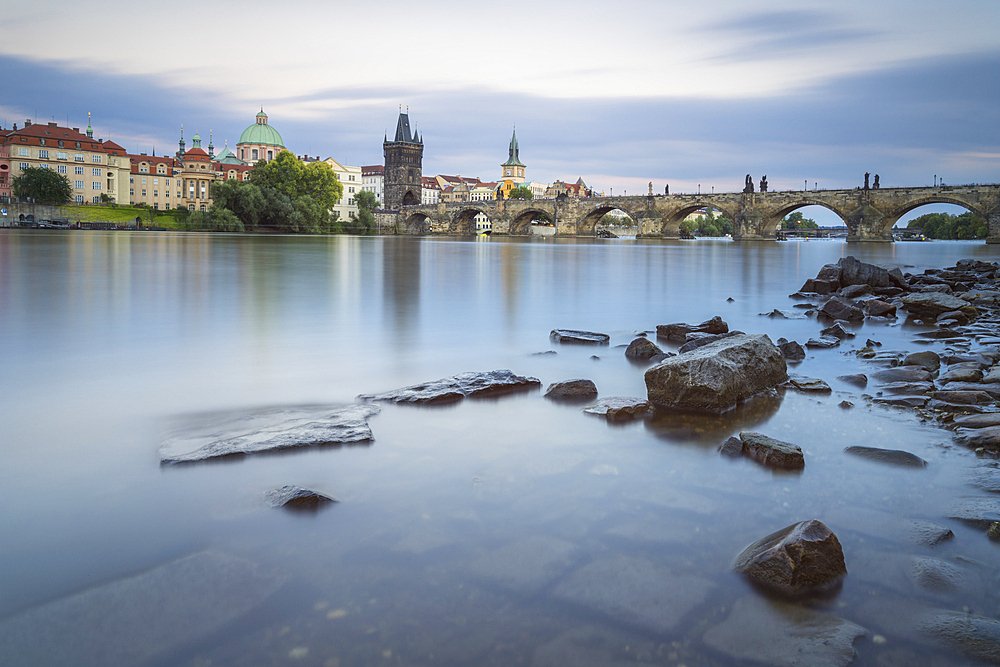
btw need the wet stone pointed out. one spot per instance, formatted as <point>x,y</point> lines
<point>978,421</point>
<point>635,591</point>
<point>297,499</point>
<point>837,330</point>
<point>857,379</point>
<point>823,342</point>
<point>572,390</point>
<point>574,337</point>
<point>927,360</point>
<point>902,374</point>
<point>807,385</point>
<point>902,401</point>
<point>677,333</point>
<point>791,350</point>
<point>960,375</point>
<point>975,636</point>
<point>455,388</point>
<point>895,457</point>
<point>976,511</point>
<point>642,348</point>
<point>620,408</point>
<point>802,559</point>
<point>939,576</point>
<point>771,452</point>
<point>696,340</point>
<point>963,397</point>
<point>886,526</point>
<point>784,635</point>
<point>906,387</point>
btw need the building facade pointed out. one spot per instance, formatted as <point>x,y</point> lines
<point>403,165</point>
<point>351,178</point>
<point>372,180</point>
<point>259,141</point>
<point>430,191</point>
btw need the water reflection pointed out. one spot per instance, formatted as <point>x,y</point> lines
<point>710,430</point>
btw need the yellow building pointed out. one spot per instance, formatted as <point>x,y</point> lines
<point>511,171</point>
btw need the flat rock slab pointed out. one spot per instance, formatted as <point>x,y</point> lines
<point>807,385</point>
<point>823,342</point>
<point>455,388</point>
<point>270,431</point>
<point>857,379</point>
<point>528,565</point>
<point>987,436</point>
<point>906,387</point>
<point>784,635</point>
<point>963,397</point>
<point>932,304</point>
<point>635,591</point>
<point>575,337</point>
<point>621,408</point>
<point>902,374</point>
<point>975,636</point>
<point>771,452</point>
<point>895,457</point>
<point>297,499</point>
<point>886,526</point>
<point>677,333</point>
<point>903,401</point>
<point>134,620</point>
<point>976,511</point>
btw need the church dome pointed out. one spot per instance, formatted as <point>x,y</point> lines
<point>261,133</point>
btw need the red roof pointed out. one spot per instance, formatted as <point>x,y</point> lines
<point>31,135</point>
<point>373,170</point>
<point>196,153</point>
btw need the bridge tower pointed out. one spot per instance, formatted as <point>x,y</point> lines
<point>403,166</point>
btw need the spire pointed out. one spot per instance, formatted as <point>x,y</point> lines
<point>180,144</point>
<point>196,140</point>
<point>211,148</point>
<point>403,128</point>
<point>513,157</point>
<point>90,130</point>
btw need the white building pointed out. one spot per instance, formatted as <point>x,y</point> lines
<point>349,177</point>
<point>430,191</point>
<point>373,180</point>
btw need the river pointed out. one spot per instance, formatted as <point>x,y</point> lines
<point>459,527</point>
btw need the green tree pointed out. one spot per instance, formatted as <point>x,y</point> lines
<point>42,185</point>
<point>291,177</point>
<point>520,192</point>
<point>244,200</point>
<point>708,224</point>
<point>950,227</point>
<point>796,221</point>
<point>367,202</point>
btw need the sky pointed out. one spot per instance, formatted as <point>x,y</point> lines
<point>694,95</point>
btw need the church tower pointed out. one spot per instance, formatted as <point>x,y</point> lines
<point>513,169</point>
<point>403,160</point>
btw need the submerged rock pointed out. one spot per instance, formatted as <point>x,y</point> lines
<point>837,330</point>
<point>457,387</point>
<point>784,635</point>
<point>717,377</point>
<point>987,436</point>
<point>771,452</point>
<point>802,559</point>
<point>572,336</point>
<point>975,636</point>
<point>642,348</point>
<point>271,431</point>
<point>896,457</point>
<point>298,499</point>
<point>677,333</point>
<point>620,408</point>
<point>572,390</point>
<point>903,374</point>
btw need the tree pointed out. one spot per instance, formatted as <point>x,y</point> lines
<point>521,192</point>
<point>42,185</point>
<point>291,177</point>
<point>953,227</point>
<point>244,200</point>
<point>107,199</point>
<point>796,221</point>
<point>364,221</point>
<point>708,224</point>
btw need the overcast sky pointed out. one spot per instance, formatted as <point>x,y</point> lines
<point>620,93</point>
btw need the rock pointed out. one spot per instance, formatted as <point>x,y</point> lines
<point>642,348</point>
<point>961,375</point>
<point>807,385</point>
<point>976,511</point>
<point>975,636</point>
<point>872,343</point>
<point>938,576</point>
<point>963,397</point>
<point>903,401</point>
<point>903,374</point>
<point>937,334</point>
<point>635,591</point>
<point>696,340</point>
<point>931,304</point>
<point>526,565</point>
<point>823,342</point>
<point>620,408</point>
<point>978,421</point>
<point>784,635</point>
<point>879,308</point>
<point>544,354</point>
<point>792,351</point>
<point>894,457</point>
<point>572,390</point>
<point>837,330</point>
<point>866,353</point>
<point>455,388</point>
<point>575,337</point>
<point>974,438</point>
<point>856,272</point>
<point>730,300</point>
<point>802,559</point>
<point>992,389</point>
<point>816,286</point>
<point>907,387</point>
<point>927,360</point>
<point>676,333</point>
<point>141,619</point>
<point>271,431</point>
<point>854,291</point>
<point>733,447</point>
<point>298,499</point>
<point>953,316</point>
<point>856,379</point>
<point>958,408</point>
<point>839,308</point>
<point>888,526</point>
<point>974,357</point>
<point>771,452</point>
<point>845,405</point>
<point>717,377</point>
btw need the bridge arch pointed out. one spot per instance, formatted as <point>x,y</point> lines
<point>416,223</point>
<point>773,221</point>
<point>893,217</point>
<point>586,225</point>
<point>463,222</point>
<point>670,223</point>
<point>520,225</point>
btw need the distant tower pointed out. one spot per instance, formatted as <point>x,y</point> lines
<point>195,141</point>
<point>90,130</point>
<point>403,160</point>
<point>180,144</point>
<point>513,168</point>
<point>211,148</point>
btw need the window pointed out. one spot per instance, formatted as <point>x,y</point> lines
<point>166,207</point>
<point>350,190</point>
<point>143,193</point>
<point>143,168</point>
<point>350,202</point>
<point>78,157</point>
<point>131,192</point>
<point>78,185</point>
<point>61,143</point>
<point>166,182</point>
<point>156,181</point>
<point>144,181</point>
<point>96,171</point>
<point>41,142</point>
<point>166,193</point>
<point>156,193</point>
<point>96,185</point>
<point>61,168</point>
<point>254,154</point>
<point>203,208</point>
<point>43,155</point>
<point>190,207</point>
<point>43,166</point>
<point>78,171</point>
<point>24,152</point>
<point>270,155</point>
<point>96,158</point>
<point>79,199</point>
<point>61,155</point>
<point>97,199</point>
<point>156,206</point>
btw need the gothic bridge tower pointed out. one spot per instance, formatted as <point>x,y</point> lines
<point>403,160</point>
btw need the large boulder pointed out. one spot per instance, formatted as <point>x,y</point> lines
<point>717,377</point>
<point>677,333</point>
<point>802,559</point>
<point>855,272</point>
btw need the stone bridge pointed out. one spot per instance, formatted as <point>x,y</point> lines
<point>868,214</point>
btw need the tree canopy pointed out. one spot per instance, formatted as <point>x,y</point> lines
<point>708,224</point>
<point>796,221</point>
<point>42,185</point>
<point>255,207</point>
<point>364,221</point>
<point>521,192</point>
<point>291,177</point>
<point>946,226</point>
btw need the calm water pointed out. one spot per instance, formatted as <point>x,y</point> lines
<point>458,525</point>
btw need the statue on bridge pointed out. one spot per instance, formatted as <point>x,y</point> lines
<point>875,184</point>
<point>866,180</point>
<point>666,189</point>
<point>763,184</point>
<point>651,188</point>
<point>748,187</point>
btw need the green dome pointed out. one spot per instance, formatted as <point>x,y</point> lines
<point>261,133</point>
